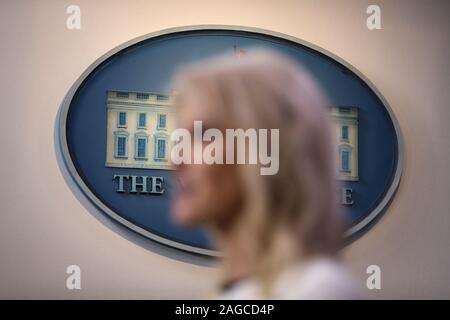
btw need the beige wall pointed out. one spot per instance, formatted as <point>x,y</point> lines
<point>44,225</point>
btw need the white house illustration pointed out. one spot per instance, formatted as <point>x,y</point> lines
<point>138,130</point>
<point>140,124</point>
<point>345,132</point>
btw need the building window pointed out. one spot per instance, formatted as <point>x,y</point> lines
<point>344,133</point>
<point>160,148</point>
<point>162,97</point>
<point>345,160</point>
<point>122,119</point>
<point>142,120</point>
<point>141,148</point>
<point>161,121</point>
<point>142,96</point>
<point>121,147</point>
<point>122,94</point>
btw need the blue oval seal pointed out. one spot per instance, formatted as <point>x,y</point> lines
<point>115,121</point>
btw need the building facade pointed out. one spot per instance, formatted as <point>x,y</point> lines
<point>345,133</point>
<point>138,130</point>
<point>140,124</point>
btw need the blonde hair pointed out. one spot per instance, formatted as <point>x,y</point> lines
<point>294,214</point>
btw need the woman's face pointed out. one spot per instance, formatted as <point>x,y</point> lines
<point>207,194</point>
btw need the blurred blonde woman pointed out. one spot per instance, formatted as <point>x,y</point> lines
<point>279,234</point>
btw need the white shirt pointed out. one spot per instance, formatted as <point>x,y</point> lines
<point>317,279</point>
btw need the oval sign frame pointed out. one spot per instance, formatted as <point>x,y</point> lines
<point>64,109</point>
